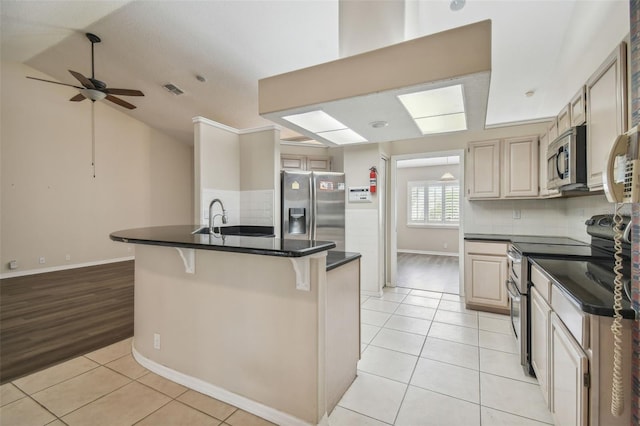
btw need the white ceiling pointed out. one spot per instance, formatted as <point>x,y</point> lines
<point>550,47</point>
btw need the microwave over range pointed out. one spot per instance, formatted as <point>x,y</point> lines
<point>567,161</point>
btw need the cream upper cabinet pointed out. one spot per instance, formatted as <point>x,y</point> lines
<point>552,130</point>
<point>322,164</point>
<point>540,312</point>
<point>578,107</point>
<point>606,112</point>
<point>292,162</point>
<point>301,162</point>
<point>569,367</point>
<point>564,119</point>
<point>503,168</point>
<point>483,169</point>
<point>485,275</point>
<point>542,168</point>
<point>521,167</point>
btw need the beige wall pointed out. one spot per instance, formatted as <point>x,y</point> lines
<point>362,233</point>
<point>424,239</point>
<point>219,157</point>
<point>52,206</point>
<point>259,160</point>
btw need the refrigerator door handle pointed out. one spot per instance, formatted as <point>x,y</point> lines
<point>314,207</point>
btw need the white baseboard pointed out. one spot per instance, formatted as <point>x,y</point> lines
<point>371,293</point>
<point>253,407</point>
<point>63,267</point>
<point>433,253</point>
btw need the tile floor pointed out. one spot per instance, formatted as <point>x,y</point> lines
<point>108,387</point>
<point>426,360</point>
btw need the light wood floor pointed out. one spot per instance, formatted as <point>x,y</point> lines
<point>51,317</point>
<point>428,272</point>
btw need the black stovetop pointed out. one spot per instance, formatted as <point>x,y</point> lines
<point>584,251</point>
<point>534,239</point>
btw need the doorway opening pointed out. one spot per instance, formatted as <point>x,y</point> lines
<point>428,218</point>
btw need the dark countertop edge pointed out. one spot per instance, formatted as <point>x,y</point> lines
<point>488,237</point>
<point>598,310</point>
<point>262,252</point>
<point>345,257</point>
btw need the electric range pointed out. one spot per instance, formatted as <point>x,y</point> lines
<point>564,251</point>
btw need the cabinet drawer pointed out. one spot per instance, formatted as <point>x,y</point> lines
<point>576,321</point>
<point>499,249</point>
<point>542,283</point>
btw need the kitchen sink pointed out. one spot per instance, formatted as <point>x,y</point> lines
<point>239,231</point>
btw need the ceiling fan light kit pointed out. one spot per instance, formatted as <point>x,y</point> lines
<point>94,89</point>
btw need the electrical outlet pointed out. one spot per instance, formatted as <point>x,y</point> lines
<point>446,245</point>
<point>156,341</point>
<point>67,257</point>
<point>13,264</point>
<point>41,260</point>
<point>516,213</point>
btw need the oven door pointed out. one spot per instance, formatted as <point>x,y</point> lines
<point>518,310</point>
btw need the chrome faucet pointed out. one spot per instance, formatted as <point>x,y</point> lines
<point>212,217</point>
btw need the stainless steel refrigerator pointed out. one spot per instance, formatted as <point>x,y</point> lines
<point>313,206</point>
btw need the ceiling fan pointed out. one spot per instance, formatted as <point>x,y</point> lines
<point>94,89</point>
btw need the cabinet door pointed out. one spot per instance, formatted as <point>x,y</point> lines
<point>564,119</point>
<point>318,164</point>
<point>485,278</point>
<point>606,113</point>
<point>543,146</point>
<point>540,311</point>
<point>521,167</point>
<point>578,108</point>
<point>552,130</point>
<point>292,162</point>
<point>483,174</point>
<point>569,367</point>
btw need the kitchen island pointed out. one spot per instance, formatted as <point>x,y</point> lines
<point>255,322</point>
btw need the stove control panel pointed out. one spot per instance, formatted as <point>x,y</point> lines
<point>602,225</point>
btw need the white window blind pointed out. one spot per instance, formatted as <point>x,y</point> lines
<point>433,203</point>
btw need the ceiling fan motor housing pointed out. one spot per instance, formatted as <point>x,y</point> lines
<point>100,85</point>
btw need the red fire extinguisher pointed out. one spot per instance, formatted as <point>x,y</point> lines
<point>373,179</point>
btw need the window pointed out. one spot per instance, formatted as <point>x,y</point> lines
<point>433,203</point>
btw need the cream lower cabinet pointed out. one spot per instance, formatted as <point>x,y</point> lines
<point>540,311</point>
<point>485,275</point>
<point>568,368</point>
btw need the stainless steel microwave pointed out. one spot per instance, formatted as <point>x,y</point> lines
<point>567,160</point>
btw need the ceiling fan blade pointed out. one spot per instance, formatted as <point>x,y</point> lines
<point>82,79</point>
<point>77,98</point>
<point>124,92</point>
<point>54,82</point>
<point>120,102</point>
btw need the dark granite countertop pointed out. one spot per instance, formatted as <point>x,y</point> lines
<point>181,236</point>
<point>338,258</point>
<point>587,283</point>
<point>524,239</point>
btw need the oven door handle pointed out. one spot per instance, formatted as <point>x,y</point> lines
<point>512,290</point>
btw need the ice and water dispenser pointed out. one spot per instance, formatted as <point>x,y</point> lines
<point>297,220</point>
